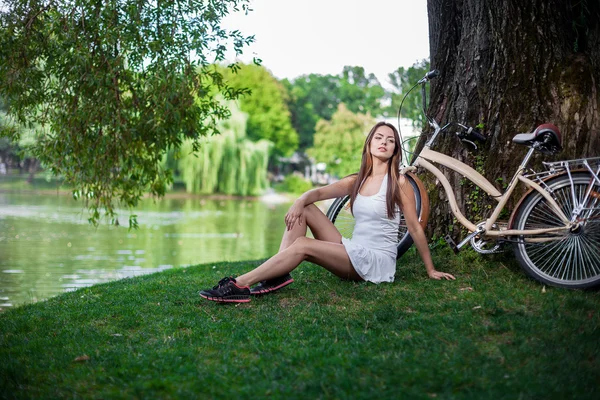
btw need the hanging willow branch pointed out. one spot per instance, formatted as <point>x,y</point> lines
<point>228,163</point>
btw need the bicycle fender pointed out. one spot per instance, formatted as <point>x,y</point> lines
<point>511,220</point>
<point>424,198</point>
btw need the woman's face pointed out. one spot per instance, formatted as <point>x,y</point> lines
<point>383,143</point>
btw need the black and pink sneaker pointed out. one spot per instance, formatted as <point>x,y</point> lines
<point>227,291</point>
<point>271,285</point>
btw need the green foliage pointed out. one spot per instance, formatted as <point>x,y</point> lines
<point>296,184</point>
<point>339,142</point>
<point>360,92</point>
<point>17,147</point>
<point>8,149</point>
<point>402,80</point>
<point>26,138</point>
<point>114,84</point>
<point>478,208</point>
<point>491,334</point>
<point>228,163</point>
<point>266,106</point>
<point>314,97</point>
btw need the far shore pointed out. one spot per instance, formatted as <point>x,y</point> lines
<point>168,195</point>
<point>276,196</point>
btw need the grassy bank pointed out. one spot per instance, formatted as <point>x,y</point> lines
<point>490,334</point>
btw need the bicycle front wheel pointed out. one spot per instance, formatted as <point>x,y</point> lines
<point>569,259</point>
<point>339,213</point>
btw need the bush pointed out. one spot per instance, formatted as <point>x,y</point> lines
<point>296,184</point>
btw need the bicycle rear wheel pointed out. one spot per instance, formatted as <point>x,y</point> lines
<point>339,213</point>
<point>566,259</point>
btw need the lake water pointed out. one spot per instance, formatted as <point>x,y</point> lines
<point>47,246</point>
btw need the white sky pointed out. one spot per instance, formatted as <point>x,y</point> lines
<point>298,37</point>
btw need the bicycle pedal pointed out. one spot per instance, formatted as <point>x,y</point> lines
<point>452,244</point>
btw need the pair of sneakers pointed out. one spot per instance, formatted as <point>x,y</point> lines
<point>228,291</point>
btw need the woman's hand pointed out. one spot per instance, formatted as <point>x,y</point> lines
<point>440,275</point>
<point>294,214</point>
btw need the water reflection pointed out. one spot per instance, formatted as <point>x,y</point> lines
<point>47,246</point>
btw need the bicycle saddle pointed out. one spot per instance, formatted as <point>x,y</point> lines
<point>546,138</point>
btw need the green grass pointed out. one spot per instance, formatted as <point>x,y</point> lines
<point>491,334</point>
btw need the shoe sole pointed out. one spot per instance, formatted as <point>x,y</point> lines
<point>265,291</point>
<point>224,300</point>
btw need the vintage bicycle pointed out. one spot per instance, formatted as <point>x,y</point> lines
<point>555,227</point>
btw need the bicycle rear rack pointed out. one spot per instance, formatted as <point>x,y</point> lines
<point>558,167</point>
<point>590,164</point>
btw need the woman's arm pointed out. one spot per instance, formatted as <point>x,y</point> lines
<point>409,209</point>
<point>338,189</point>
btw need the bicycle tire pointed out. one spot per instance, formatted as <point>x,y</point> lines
<point>339,213</point>
<point>573,260</point>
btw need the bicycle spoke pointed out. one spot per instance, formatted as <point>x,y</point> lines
<point>550,258</point>
<point>545,215</point>
<point>592,254</point>
<point>583,265</point>
<point>591,234</point>
<point>571,263</point>
<point>581,258</point>
<point>593,246</point>
<point>569,259</point>
<point>564,198</point>
<point>539,248</point>
<point>589,213</point>
<point>546,254</point>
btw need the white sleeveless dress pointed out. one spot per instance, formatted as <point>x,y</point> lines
<point>373,247</point>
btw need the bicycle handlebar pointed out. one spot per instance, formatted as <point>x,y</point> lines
<point>478,136</point>
<point>434,73</point>
<point>470,134</point>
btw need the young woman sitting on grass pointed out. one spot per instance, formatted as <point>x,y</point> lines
<point>378,193</point>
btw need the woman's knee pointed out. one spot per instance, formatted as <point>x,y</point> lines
<point>300,242</point>
<point>310,208</point>
<point>300,246</point>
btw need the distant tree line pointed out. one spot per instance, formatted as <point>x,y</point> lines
<point>324,116</point>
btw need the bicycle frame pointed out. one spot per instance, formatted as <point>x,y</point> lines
<point>427,156</point>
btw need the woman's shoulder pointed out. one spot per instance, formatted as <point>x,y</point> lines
<point>350,179</point>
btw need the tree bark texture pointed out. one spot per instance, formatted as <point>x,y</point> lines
<point>509,66</point>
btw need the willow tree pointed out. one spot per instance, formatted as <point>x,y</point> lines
<point>508,66</point>
<point>228,163</point>
<point>115,83</point>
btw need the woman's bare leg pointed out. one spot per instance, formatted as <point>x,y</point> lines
<point>331,256</point>
<point>320,226</point>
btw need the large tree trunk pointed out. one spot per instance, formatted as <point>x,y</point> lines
<point>511,65</point>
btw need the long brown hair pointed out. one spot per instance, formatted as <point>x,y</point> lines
<point>366,168</point>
